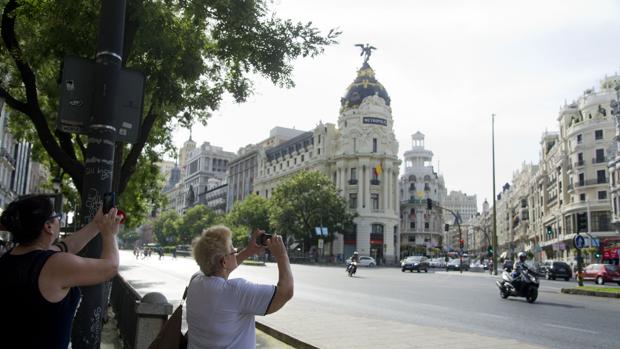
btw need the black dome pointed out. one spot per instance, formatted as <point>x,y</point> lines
<point>364,85</point>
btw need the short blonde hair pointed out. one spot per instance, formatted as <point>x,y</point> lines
<point>210,247</point>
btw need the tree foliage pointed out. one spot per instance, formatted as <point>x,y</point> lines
<point>165,228</point>
<point>192,52</point>
<point>305,201</point>
<point>193,222</point>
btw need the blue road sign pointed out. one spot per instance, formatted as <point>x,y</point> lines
<point>579,242</point>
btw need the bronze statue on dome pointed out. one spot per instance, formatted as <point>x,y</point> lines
<point>366,51</point>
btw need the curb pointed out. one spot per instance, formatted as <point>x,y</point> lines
<point>283,337</point>
<point>590,293</point>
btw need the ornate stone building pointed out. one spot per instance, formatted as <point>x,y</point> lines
<point>360,156</point>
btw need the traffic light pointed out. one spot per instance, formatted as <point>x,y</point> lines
<point>429,204</point>
<point>597,255</point>
<point>446,227</point>
<point>582,222</point>
<point>490,251</point>
<point>549,231</point>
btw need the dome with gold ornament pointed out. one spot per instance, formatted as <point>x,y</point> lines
<point>364,85</point>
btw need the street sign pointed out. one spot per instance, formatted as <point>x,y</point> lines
<point>320,243</point>
<point>320,231</point>
<point>579,242</point>
<point>77,100</point>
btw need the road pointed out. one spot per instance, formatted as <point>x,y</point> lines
<point>380,304</point>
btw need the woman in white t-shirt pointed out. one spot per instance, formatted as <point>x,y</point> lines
<point>220,311</point>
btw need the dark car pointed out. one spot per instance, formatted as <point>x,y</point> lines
<point>417,263</point>
<point>556,270</point>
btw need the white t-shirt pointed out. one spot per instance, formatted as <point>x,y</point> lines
<point>220,313</point>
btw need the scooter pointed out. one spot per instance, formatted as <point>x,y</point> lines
<point>523,285</point>
<point>351,268</point>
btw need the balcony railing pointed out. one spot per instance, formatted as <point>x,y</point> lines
<point>352,181</point>
<point>591,182</point>
<point>598,160</point>
<point>579,163</point>
<point>375,182</point>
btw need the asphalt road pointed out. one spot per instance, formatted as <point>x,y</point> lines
<point>467,303</point>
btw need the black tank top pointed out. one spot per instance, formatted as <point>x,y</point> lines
<point>27,320</point>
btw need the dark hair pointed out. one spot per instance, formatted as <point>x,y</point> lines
<point>24,218</point>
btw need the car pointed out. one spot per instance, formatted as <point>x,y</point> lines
<point>456,264</point>
<point>417,263</point>
<point>364,261</point>
<point>601,273</point>
<point>556,269</point>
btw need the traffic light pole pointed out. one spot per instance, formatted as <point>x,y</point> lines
<point>457,219</point>
<point>494,203</point>
<point>99,162</point>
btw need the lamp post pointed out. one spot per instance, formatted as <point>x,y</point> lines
<point>494,203</point>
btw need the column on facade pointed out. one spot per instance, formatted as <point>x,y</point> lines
<point>367,186</point>
<point>338,176</point>
<point>395,193</point>
<point>386,191</point>
<point>360,187</point>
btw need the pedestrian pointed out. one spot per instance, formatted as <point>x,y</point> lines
<point>160,251</point>
<point>220,310</point>
<point>41,279</point>
<point>174,253</point>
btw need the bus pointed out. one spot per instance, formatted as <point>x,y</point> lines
<point>610,247</point>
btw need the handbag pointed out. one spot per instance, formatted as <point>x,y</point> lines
<point>171,336</point>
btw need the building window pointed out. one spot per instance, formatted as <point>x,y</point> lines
<point>355,145</point>
<point>600,155</point>
<point>374,200</point>
<point>412,238</point>
<point>374,145</point>
<point>598,134</point>
<point>353,173</point>
<point>580,159</point>
<point>353,201</point>
<point>582,179</point>
<point>302,157</point>
<point>602,195</point>
<point>600,176</point>
<point>579,139</point>
<point>411,225</point>
<point>582,197</point>
<point>426,225</point>
<point>319,139</point>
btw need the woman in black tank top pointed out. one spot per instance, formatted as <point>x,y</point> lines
<point>39,278</point>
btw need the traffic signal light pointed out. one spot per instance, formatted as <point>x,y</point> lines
<point>461,243</point>
<point>490,251</point>
<point>582,222</point>
<point>597,255</point>
<point>446,227</point>
<point>549,230</point>
<point>429,204</point>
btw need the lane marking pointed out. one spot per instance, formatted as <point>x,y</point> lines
<point>571,328</point>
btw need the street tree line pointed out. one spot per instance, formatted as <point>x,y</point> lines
<point>297,206</point>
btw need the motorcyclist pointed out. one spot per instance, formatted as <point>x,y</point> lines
<point>354,259</point>
<point>518,267</point>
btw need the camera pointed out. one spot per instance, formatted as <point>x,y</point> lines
<point>109,201</point>
<point>261,240</point>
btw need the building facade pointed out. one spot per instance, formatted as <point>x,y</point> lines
<point>360,156</point>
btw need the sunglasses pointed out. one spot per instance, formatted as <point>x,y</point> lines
<point>54,216</point>
<point>234,251</point>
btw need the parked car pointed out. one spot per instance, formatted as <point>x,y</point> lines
<point>602,273</point>
<point>555,269</point>
<point>417,263</point>
<point>455,264</point>
<point>364,261</point>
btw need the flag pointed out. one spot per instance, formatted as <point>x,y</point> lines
<point>378,170</point>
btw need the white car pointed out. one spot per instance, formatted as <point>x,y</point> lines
<point>364,261</point>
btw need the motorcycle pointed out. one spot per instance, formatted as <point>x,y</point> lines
<point>523,285</point>
<point>352,268</point>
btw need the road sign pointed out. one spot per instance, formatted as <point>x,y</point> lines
<point>77,100</point>
<point>320,243</point>
<point>579,242</point>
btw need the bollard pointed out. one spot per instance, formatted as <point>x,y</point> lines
<point>152,312</point>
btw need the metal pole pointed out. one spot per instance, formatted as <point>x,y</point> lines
<point>494,203</point>
<point>99,163</point>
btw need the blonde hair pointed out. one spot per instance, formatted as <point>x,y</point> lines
<point>210,247</point>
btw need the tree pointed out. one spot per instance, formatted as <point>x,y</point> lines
<point>305,201</point>
<point>253,212</point>
<point>165,227</point>
<point>193,222</point>
<point>192,53</point>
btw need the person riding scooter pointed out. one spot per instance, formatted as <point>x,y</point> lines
<point>353,265</point>
<point>518,267</point>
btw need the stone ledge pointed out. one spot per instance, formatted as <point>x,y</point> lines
<point>283,337</point>
<point>590,293</point>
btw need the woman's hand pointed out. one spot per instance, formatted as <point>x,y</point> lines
<point>276,245</point>
<point>108,223</point>
<point>254,248</point>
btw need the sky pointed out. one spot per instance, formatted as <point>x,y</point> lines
<point>447,66</point>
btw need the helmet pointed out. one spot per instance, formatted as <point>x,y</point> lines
<point>355,252</point>
<point>522,256</point>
